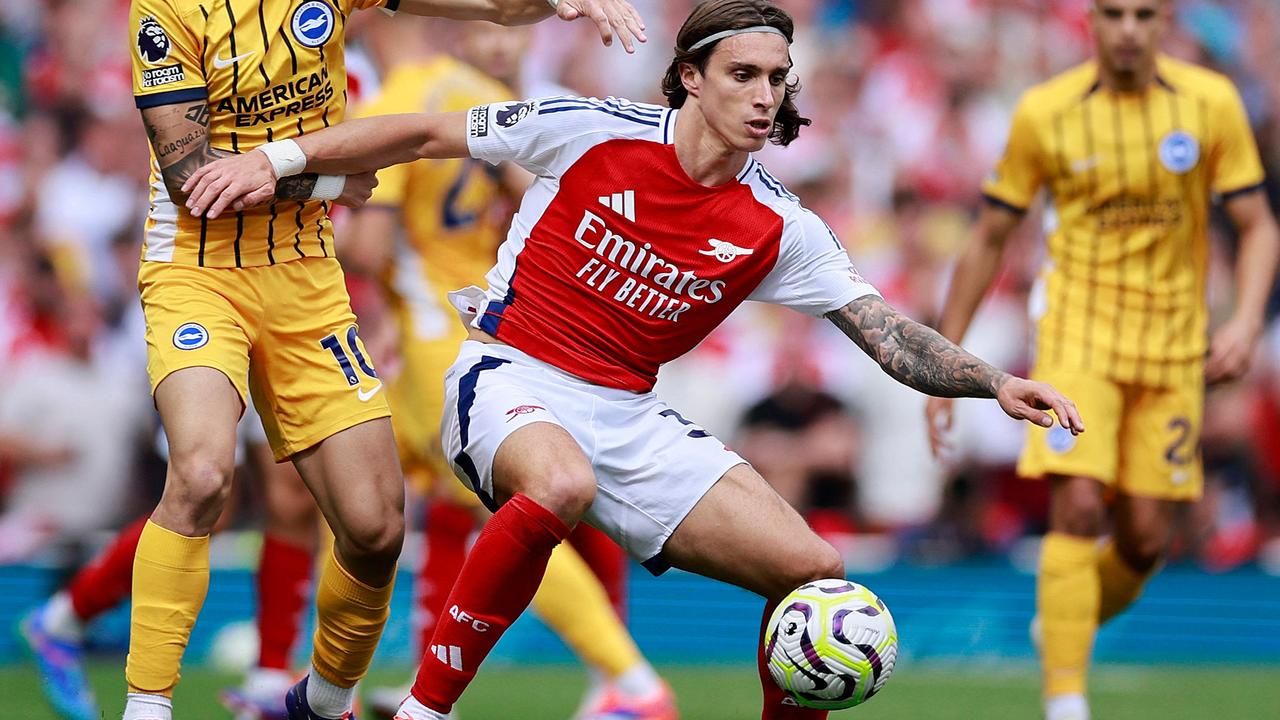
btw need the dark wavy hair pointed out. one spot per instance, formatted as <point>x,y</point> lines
<point>714,16</point>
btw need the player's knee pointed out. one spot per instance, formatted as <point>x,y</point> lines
<point>817,561</point>
<point>1082,515</point>
<point>198,489</point>
<point>827,562</point>
<point>566,493</point>
<point>373,539</point>
<point>1082,520</point>
<point>1142,553</point>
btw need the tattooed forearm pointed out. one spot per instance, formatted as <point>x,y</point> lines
<point>177,173</point>
<point>164,151</point>
<point>180,137</point>
<point>296,187</point>
<point>914,354</point>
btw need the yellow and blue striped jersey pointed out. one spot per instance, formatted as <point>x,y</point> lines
<point>1130,178</point>
<point>269,70</point>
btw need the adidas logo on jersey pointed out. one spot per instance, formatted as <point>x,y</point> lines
<point>623,203</point>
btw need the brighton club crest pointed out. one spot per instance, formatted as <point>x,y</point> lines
<point>313,23</point>
<point>1179,152</point>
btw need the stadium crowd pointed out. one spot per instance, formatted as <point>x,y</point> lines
<point>910,101</point>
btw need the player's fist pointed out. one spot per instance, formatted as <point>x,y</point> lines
<point>610,16</point>
<point>358,189</point>
<point>1231,350</point>
<point>939,414</point>
<point>1023,399</point>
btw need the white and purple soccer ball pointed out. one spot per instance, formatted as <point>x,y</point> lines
<point>831,644</point>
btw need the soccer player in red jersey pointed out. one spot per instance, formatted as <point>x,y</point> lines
<point>646,226</point>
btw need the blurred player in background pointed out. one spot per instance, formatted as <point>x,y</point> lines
<point>257,298</point>
<point>1131,146</point>
<point>449,214</point>
<point>646,226</point>
<point>54,632</point>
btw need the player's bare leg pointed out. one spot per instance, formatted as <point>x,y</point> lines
<point>545,484</point>
<point>744,533</point>
<point>356,480</point>
<point>199,408</point>
<point>1140,535</point>
<point>1068,593</point>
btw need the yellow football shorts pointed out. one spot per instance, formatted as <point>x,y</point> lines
<point>286,329</point>
<point>417,403</point>
<point>1139,440</point>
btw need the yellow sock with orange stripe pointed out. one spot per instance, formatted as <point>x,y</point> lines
<point>1121,584</point>
<point>170,580</point>
<point>574,605</point>
<point>1067,600</point>
<point>349,620</point>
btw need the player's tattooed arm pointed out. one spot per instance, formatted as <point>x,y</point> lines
<point>918,357</point>
<point>296,187</point>
<point>915,354</point>
<point>179,135</point>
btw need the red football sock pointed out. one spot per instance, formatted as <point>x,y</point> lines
<point>607,561</point>
<point>777,705</point>
<point>497,581</point>
<point>106,581</point>
<point>284,575</point>
<point>448,526</point>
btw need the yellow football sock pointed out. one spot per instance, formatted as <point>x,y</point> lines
<point>574,605</point>
<point>1121,584</point>
<point>1067,599</point>
<point>349,620</point>
<point>170,579</point>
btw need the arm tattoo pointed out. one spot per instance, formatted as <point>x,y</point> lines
<point>913,354</point>
<point>296,187</point>
<point>180,137</point>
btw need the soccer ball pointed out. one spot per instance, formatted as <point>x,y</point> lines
<point>831,644</point>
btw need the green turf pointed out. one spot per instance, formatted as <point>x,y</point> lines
<point>930,692</point>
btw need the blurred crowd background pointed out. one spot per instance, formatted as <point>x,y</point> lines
<point>910,101</point>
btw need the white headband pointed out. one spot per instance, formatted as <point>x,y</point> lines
<point>729,33</point>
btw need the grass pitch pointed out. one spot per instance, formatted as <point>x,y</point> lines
<point>933,691</point>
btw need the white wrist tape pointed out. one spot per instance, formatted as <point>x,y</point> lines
<point>285,156</point>
<point>328,187</point>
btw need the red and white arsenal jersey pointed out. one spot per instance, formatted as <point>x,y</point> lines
<point>617,261</point>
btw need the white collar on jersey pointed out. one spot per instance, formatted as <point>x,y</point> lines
<point>730,33</point>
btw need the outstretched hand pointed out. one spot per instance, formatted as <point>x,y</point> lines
<point>610,17</point>
<point>1028,400</point>
<point>238,182</point>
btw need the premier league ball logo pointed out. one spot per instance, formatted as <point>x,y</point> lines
<point>153,43</point>
<point>514,113</point>
<point>313,23</point>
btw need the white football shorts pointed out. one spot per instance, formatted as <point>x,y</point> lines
<point>651,465</point>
